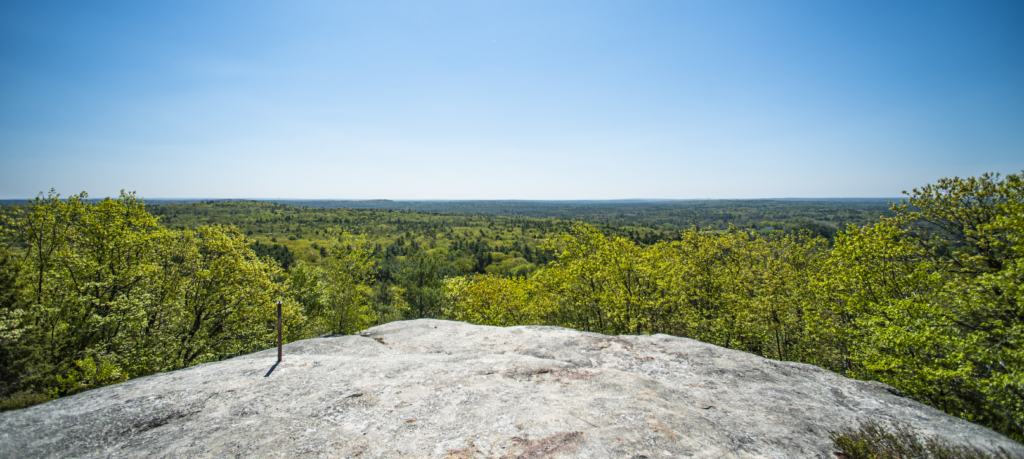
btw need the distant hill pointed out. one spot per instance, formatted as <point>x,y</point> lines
<point>405,204</point>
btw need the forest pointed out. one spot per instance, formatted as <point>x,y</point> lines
<point>922,294</point>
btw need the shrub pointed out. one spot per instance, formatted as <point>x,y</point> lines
<point>22,400</point>
<point>874,440</point>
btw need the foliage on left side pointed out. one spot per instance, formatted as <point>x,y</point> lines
<point>93,294</point>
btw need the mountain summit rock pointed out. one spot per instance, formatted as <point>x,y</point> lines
<point>439,389</point>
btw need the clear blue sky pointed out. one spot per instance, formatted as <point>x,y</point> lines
<point>507,100</point>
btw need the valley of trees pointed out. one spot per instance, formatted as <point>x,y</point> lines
<point>819,216</point>
<point>924,295</point>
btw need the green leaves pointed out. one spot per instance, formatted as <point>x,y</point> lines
<point>493,300</point>
<point>102,293</point>
<point>335,295</point>
<point>724,288</point>
<point>930,301</point>
<point>216,297</point>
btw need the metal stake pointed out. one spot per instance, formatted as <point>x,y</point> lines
<point>279,351</point>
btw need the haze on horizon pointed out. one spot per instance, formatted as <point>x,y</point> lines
<point>459,100</point>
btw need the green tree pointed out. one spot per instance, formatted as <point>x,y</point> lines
<point>929,300</point>
<point>420,277</point>
<point>494,300</point>
<point>215,299</point>
<point>335,295</point>
<point>107,294</point>
<point>724,288</point>
<point>12,310</point>
<point>86,267</point>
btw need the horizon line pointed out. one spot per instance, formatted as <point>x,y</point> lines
<point>488,200</point>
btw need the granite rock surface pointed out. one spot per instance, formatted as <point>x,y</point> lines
<point>439,389</point>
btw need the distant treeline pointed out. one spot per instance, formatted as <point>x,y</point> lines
<point>924,295</point>
<point>651,214</point>
<point>718,214</point>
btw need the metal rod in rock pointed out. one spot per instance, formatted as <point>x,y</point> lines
<point>279,351</point>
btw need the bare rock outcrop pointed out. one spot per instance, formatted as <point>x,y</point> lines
<point>438,389</point>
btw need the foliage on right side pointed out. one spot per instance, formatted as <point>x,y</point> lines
<point>928,301</point>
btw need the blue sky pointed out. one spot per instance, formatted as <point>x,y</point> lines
<point>507,100</point>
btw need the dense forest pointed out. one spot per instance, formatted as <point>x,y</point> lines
<point>502,224</point>
<point>646,213</point>
<point>923,294</point>
<point>670,215</point>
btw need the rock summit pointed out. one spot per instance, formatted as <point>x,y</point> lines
<point>439,389</point>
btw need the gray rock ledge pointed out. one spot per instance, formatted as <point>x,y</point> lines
<point>438,389</point>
